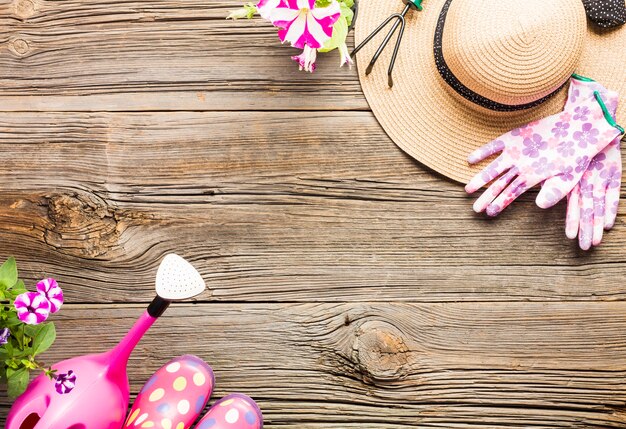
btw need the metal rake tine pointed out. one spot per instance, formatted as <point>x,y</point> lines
<point>396,49</point>
<point>373,34</point>
<point>388,37</point>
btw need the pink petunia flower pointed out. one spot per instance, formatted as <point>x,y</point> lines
<point>306,59</point>
<point>53,292</point>
<point>32,308</point>
<point>302,24</point>
<point>265,7</point>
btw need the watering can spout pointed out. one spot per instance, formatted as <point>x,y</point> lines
<point>121,353</point>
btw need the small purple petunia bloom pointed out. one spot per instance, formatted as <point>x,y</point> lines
<point>581,163</point>
<point>560,129</point>
<point>580,113</point>
<point>612,177</point>
<point>596,162</point>
<point>32,308</point>
<point>566,173</point>
<point>5,333</point>
<point>53,293</point>
<point>534,145</point>
<point>65,383</point>
<point>587,135</point>
<point>566,149</point>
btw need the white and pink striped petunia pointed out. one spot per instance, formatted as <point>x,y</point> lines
<point>32,308</point>
<point>265,7</point>
<point>301,23</point>
<point>53,292</point>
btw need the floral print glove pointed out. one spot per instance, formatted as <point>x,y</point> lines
<point>592,204</point>
<point>555,150</point>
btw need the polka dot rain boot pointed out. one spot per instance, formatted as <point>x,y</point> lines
<point>235,411</point>
<point>174,396</point>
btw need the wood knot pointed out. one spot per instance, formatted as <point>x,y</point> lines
<point>19,47</point>
<point>82,225</point>
<point>380,352</point>
<point>24,9</point>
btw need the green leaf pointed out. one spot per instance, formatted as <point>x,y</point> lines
<point>322,3</point>
<point>348,3</point>
<point>18,288</point>
<point>44,339</point>
<point>17,381</point>
<point>8,274</point>
<point>340,32</point>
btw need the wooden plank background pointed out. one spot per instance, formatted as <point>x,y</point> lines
<point>348,286</point>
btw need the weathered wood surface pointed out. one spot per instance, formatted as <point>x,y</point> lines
<point>539,365</point>
<point>349,287</point>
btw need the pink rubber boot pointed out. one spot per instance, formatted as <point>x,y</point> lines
<point>174,396</point>
<point>235,411</point>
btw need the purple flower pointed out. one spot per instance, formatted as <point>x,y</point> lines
<point>574,93</point>
<point>566,173</point>
<point>581,163</point>
<point>614,208</point>
<point>554,196</point>
<point>534,145</point>
<point>566,149</point>
<point>586,188</point>
<point>596,162</point>
<point>490,173</point>
<point>580,113</point>
<point>542,166</point>
<point>5,333</point>
<point>587,136</point>
<point>586,215</point>
<point>612,177</point>
<point>53,293</point>
<point>65,383</point>
<point>32,308</point>
<point>599,206</point>
<point>560,129</point>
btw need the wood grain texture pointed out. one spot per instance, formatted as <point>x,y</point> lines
<point>368,365</point>
<point>348,286</point>
<point>156,55</point>
<point>272,215</point>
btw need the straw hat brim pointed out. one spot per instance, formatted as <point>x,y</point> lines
<point>425,120</point>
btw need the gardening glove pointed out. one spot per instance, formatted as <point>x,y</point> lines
<point>235,411</point>
<point>556,149</point>
<point>592,204</point>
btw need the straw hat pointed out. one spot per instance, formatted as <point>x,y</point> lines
<point>504,52</point>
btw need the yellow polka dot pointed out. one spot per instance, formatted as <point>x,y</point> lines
<point>141,419</point>
<point>132,417</point>
<point>157,394</point>
<point>199,379</point>
<point>180,425</point>
<point>148,425</point>
<point>227,402</point>
<point>173,367</point>
<point>166,424</point>
<point>180,383</point>
<point>183,407</point>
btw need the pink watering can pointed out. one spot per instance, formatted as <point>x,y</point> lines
<point>92,392</point>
